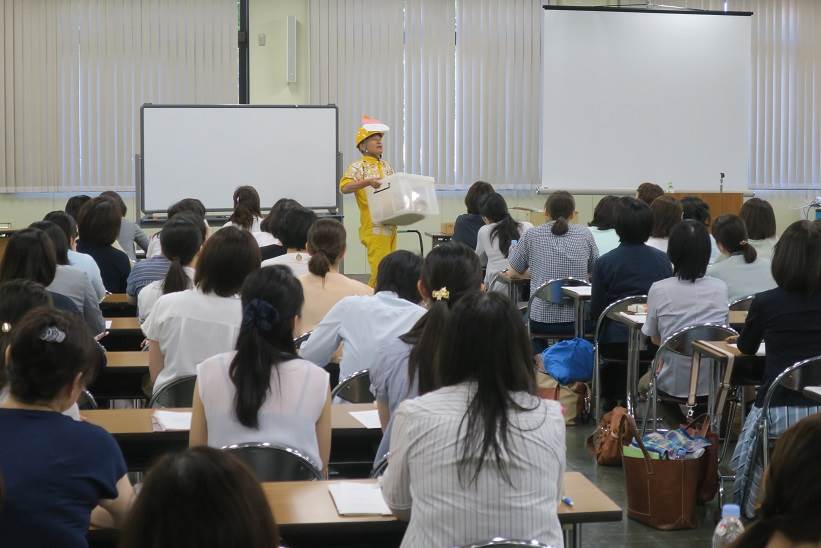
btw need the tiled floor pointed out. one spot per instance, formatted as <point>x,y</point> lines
<point>627,532</point>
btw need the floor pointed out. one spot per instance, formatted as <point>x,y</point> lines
<point>628,532</point>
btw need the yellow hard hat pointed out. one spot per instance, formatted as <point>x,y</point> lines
<point>370,126</point>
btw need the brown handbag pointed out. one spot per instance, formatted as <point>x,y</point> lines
<point>661,493</point>
<point>604,444</point>
<point>708,478</point>
<point>575,398</point>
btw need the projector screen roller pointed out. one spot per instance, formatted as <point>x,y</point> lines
<point>635,96</point>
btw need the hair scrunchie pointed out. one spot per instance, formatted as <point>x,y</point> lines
<point>259,314</point>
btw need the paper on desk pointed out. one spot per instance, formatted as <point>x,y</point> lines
<point>368,419</point>
<point>762,350</point>
<point>583,290</point>
<point>171,420</point>
<point>638,318</point>
<point>108,324</point>
<point>358,499</point>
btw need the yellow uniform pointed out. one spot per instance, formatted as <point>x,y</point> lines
<point>379,240</point>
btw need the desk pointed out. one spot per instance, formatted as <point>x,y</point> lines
<point>438,238</point>
<point>351,443</point>
<point>122,378</point>
<point>514,282</point>
<point>124,334</point>
<point>737,319</point>
<point>634,323</point>
<point>580,294</point>
<point>304,508</point>
<point>115,298</point>
<point>124,324</point>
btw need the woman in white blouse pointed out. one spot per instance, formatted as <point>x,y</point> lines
<point>483,456</point>
<point>495,238</point>
<point>759,218</point>
<point>744,272</point>
<point>246,214</point>
<point>603,225</point>
<point>293,233</point>
<point>181,238</point>
<point>262,391</point>
<point>323,285</point>
<point>186,327</point>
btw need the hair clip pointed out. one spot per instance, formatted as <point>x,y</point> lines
<point>5,327</point>
<point>53,335</point>
<point>260,314</point>
<point>441,294</point>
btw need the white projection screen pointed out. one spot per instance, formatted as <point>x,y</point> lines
<point>633,96</point>
<point>206,151</point>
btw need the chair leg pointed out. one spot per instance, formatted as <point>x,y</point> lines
<point>728,430</point>
<point>596,386</point>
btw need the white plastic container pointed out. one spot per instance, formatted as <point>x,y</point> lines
<point>403,199</point>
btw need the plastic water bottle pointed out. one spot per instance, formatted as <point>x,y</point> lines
<point>729,528</point>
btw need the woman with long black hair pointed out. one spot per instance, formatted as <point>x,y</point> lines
<point>495,238</point>
<point>483,456</point>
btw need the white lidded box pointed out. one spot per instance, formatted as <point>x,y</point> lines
<point>403,199</point>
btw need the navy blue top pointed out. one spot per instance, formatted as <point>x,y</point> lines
<point>147,271</point>
<point>114,265</point>
<point>55,471</point>
<point>61,302</point>
<point>466,228</point>
<point>628,270</point>
<point>789,324</point>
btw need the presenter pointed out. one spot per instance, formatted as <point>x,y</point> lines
<point>369,170</point>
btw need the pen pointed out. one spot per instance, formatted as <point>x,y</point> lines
<point>568,501</point>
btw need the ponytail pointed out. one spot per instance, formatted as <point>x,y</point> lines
<point>326,244</point>
<point>319,264</point>
<point>424,338</point>
<point>748,251</point>
<point>175,279</point>
<point>560,206</point>
<point>243,217</point>
<point>560,227</point>
<point>246,207</point>
<point>731,233</point>
<point>180,239</point>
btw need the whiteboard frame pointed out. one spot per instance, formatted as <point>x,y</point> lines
<point>140,158</point>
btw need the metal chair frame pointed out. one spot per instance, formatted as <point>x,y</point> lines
<point>298,341</point>
<point>357,377</point>
<point>742,304</point>
<point>551,293</point>
<point>170,386</point>
<point>499,542</point>
<point>279,450</point>
<point>380,466</point>
<point>86,401</point>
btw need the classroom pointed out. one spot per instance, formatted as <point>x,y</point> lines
<point>410,273</point>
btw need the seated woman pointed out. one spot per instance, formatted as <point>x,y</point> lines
<point>557,249</point>
<point>181,238</point>
<point>603,225</point>
<point>467,225</point>
<point>186,205</point>
<point>78,260</point>
<point>788,516</point>
<point>30,255</point>
<point>130,232</point>
<point>202,498</point>
<point>75,204</point>
<point>246,214</point>
<point>495,238</point>
<point>323,285</point>
<point>99,226</point>
<point>742,270</point>
<point>788,320</point>
<point>759,218</point>
<point>263,392</point>
<point>693,207</point>
<point>293,233</point>
<point>61,469</point>
<point>364,323</point>
<point>404,365</point>
<point>687,298</point>
<point>648,192</point>
<point>189,326</point>
<point>269,244</point>
<point>481,455</point>
<point>666,215</point>
<point>628,270</point>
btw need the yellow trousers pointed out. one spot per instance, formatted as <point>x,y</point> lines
<point>379,241</point>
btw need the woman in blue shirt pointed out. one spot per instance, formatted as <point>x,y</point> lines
<point>56,470</point>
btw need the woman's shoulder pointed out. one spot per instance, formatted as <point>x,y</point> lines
<point>216,364</point>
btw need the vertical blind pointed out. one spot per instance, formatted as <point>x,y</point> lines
<point>77,71</point>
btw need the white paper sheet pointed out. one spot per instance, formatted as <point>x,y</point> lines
<point>638,318</point>
<point>108,324</point>
<point>762,350</point>
<point>358,499</point>
<point>171,420</point>
<point>582,290</point>
<point>368,419</point>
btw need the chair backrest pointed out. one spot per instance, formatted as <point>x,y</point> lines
<point>380,466</point>
<point>499,542</point>
<point>86,401</point>
<point>742,304</point>
<point>681,342</point>
<point>177,393</point>
<point>271,462</point>
<point>551,291</point>
<point>301,339</point>
<point>613,309</point>
<point>355,389</point>
<point>796,377</point>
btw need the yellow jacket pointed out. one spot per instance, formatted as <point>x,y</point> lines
<point>365,168</point>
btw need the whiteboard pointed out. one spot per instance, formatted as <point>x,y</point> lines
<point>206,151</point>
<point>633,96</point>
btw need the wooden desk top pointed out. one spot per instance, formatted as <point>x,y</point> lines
<point>123,324</point>
<point>121,422</point>
<point>309,502</point>
<point>738,317</point>
<point>127,360</point>
<point>580,292</point>
<point>116,298</point>
<point>510,276</point>
<point>717,349</point>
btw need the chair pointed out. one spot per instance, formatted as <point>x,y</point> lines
<point>177,393</point>
<point>608,314</point>
<point>301,339</point>
<point>271,462</point>
<point>499,542</point>
<point>355,389</point>
<point>681,344</point>
<point>742,304</point>
<point>86,401</point>
<point>380,467</point>
<point>551,292</point>
<point>794,378</point>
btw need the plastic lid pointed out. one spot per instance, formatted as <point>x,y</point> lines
<point>730,511</point>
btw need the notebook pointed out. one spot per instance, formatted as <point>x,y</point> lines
<point>358,499</point>
<point>171,420</point>
<point>368,419</point>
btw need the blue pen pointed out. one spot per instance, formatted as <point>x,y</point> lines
<point>568,501</point>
